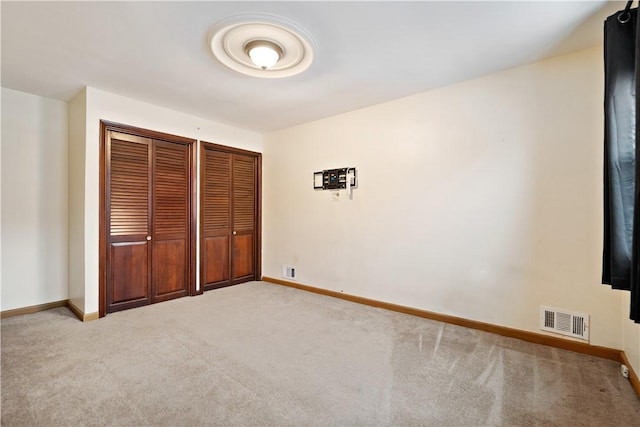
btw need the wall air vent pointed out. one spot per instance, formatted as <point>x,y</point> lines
<point>564,322</point>
<point>288,272</point>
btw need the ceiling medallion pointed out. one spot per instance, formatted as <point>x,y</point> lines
<point>262,45</point>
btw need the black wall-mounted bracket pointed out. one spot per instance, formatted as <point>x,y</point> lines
<point>335,179</point>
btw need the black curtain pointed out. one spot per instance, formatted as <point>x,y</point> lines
<point>635,282</point>
<point>621,255</point>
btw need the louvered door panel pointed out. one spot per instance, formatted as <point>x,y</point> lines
<point>216,218</point>
<point>127,191</point>
<point>129,188</point>
<point>170,190</point>
<point>217,192</point>
<point>170,220</point>
<point>244,217</point>
<point>244,189</point>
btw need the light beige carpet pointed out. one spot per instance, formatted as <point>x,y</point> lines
<point>262,354</point>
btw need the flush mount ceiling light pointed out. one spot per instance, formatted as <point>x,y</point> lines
<point>262,46</point>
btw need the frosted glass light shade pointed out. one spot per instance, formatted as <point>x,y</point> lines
<point>263,54</point>
<point>264,57</point>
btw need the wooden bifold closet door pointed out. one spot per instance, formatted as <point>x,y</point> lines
<point>230,213</point>
<point>148,220</point>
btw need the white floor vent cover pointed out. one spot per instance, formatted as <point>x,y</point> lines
<point>564,322</point>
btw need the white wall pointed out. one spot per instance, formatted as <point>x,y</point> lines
<point>102,105</point>
<point>481,200</point>
<point>34,200</point>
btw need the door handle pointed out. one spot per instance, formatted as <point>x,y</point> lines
<point>234,232</point>
<point>148,237</point>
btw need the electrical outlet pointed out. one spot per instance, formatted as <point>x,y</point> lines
<point>624,370</point>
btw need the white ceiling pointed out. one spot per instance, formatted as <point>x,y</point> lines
<point>367,52</point>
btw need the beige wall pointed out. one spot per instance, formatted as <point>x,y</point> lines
<point>631,334</point>
<point>77,142</point>
<point>480,200</point>
<point>34,200</point>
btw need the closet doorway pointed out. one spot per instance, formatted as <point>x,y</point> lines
<point>147,217</point>
<point>230,216</point>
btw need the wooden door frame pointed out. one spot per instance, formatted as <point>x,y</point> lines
<point>105,127</point>
<point>258,208</point>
